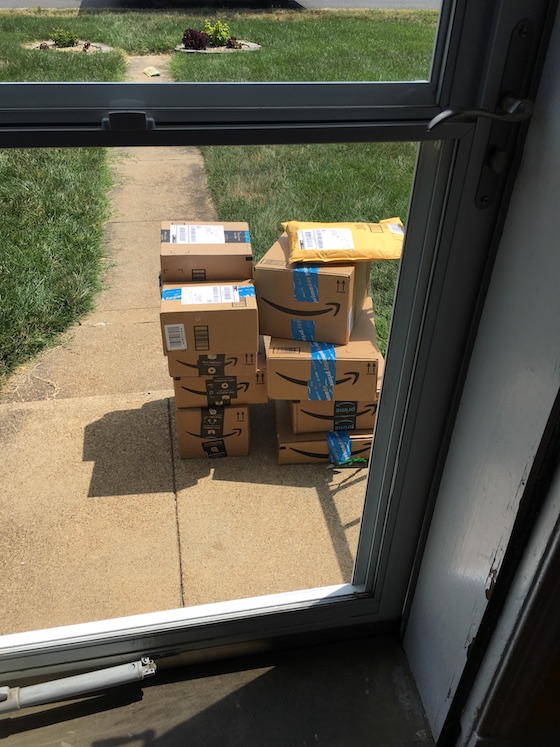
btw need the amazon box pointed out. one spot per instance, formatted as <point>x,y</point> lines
<point>320,371</point>
<point>212,432</point>
<point>316,448</point>
<point>205,391</point>
<point>336,415</point>
<point>197,251</point>
<point>202,318</point>
<point>308,302</point>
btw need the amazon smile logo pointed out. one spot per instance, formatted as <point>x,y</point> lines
<point>204,436</point>
<point>322,455</point>
<point>348,376</point>
<point>334,308</point>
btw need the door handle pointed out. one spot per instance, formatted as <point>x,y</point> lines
<point>512,109</point>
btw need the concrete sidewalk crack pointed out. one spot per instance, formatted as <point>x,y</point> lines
<point>176,499</point>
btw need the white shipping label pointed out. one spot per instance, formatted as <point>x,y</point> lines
<point>326,238</point>
<point>205,294</point>
<point>395,228</point>
<point>175,337</point>
<point>183,233</point>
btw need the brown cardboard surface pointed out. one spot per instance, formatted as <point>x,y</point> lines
<point>205,391</point>
<point>183,365</point>
<point>212,432</point>
<point>304,303</point>
<point>188,255</point>
<point>192,324</point>
<point>340,415</point>
<point>354,373</point>
<point>309,448</point>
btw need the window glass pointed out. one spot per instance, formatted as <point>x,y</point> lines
<point>268,45</point>
<point>108,520</point>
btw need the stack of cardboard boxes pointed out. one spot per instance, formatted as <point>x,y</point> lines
<point>319,360</point>
<point>210,333</point>
<point>324,368</point>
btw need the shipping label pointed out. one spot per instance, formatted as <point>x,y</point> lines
<point>175,338</point>
<point>325,238</point>
<point>184,233</point>
<point>209,294</point>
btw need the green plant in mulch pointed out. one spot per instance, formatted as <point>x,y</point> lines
<point>212,35</point>
<point>218,33</point>
<point>64,38</point>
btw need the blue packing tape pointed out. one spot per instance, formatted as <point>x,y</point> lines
<point>246,291</point>
<point>323,371</point>
<point>340,449</point>
<point>247,237</point>
<point>171,294</point>
<point>303,329</point>
<point>306,283</point>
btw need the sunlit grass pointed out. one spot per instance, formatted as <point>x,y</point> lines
<point>53,203</point>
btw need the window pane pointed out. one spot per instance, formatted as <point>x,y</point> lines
<point>303,45</point>
<point>107,520</point>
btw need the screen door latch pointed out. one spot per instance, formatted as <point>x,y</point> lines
<point>512,105</point>
<point>500,142</point>
<point>512,109</point>
<point>127,121</point>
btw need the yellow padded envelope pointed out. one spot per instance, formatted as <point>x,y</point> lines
<point>344,242</point>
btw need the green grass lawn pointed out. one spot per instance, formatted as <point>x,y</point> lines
<point>53,202</point>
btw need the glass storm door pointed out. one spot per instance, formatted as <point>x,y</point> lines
<point>483,53</point>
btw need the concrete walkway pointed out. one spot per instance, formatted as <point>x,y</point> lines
<point>100,516</point>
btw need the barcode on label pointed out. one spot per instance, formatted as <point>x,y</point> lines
<point>178,233</point>
<point>227,293</point>
<point>326,238</point>
<point>307,239</point>
<point>192,234</point>
<point>175,337</point>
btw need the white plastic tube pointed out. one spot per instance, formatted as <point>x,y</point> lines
<point>15,698</point>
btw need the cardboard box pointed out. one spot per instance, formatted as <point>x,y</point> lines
<point>200,318</point>
<point>205,391</point>
<point>337,415</point>
<point>213,432</point>
<point>317,448</point>
<point>323,372</point>
<point>308,302</point>
<point>199,251</point>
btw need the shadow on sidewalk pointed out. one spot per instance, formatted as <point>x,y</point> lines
<point>134,453</point>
